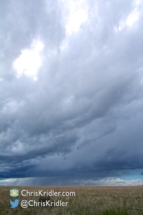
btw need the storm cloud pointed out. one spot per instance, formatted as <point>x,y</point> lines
<point>71,86</point>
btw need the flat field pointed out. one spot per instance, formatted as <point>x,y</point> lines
<point>88,200</point>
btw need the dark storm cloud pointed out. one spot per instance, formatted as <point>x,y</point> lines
<point>82,119</point>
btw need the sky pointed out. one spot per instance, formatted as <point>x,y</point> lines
<point>71,88</point>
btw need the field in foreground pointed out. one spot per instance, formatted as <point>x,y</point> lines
<point>89,200</point>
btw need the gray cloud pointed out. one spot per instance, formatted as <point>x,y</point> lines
<point>82,119</point>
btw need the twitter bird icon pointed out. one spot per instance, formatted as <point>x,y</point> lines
<point>14,204</point>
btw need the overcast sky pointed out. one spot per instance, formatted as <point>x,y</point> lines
<point>71,88</point>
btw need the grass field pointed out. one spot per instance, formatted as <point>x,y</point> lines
<point>89,200</point>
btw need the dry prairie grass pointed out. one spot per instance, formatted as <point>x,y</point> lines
<point>89,200</point>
